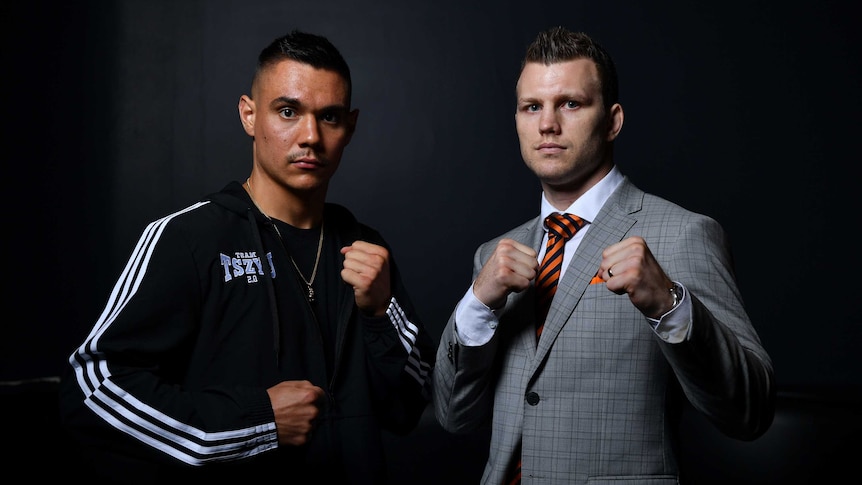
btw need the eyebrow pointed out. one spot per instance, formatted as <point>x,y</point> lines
<point>285,100</point>
<point>577,95</point>
<point>296,102</point>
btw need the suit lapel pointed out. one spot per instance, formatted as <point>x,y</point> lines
<point>609,227</point>
<point>529,234</point>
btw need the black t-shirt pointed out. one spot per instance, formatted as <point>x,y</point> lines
<point>302,246</point>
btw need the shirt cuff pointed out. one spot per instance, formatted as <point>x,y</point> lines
<point>674,326</point>
<point>475,323</point>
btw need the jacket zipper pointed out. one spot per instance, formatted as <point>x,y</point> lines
<point>319,334</point>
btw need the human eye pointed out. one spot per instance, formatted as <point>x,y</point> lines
<point>530,107</point>
<point>331,117</point>
<point>571,104</point>
<point>287,112</point>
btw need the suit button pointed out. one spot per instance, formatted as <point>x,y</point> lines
<point>532,398</point>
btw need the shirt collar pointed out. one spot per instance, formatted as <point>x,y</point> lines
<point>587,206</point>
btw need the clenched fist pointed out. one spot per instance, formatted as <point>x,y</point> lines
<point>366,269</point>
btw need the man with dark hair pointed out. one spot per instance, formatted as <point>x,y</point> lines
<point>261,330</point>
<point>581,364</point>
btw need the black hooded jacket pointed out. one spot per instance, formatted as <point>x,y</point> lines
<point>208,313</point>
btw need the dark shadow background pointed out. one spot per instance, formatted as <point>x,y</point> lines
<point>118,113</point>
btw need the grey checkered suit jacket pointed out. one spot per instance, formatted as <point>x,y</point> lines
<point>598,399</point>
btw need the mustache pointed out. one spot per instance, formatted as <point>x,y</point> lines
<point>308,154</point>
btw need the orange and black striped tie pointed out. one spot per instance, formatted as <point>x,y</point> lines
<point>561,228</point>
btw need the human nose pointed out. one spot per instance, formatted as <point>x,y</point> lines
<point>548,122</point>
<point>312,131</point>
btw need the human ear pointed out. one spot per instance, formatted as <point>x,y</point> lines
<point>246,114</point>
<point>616,121</point>
<point>352,117</point>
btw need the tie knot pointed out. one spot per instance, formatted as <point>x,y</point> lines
<point>563,225</point>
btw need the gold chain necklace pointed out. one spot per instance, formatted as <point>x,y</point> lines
<point>308,282</point>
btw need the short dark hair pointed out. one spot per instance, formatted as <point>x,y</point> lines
<point>315,50</point>
<point>559,44</point>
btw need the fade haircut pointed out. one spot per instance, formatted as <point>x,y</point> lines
<point>315,50</point>
<point>558,44</point>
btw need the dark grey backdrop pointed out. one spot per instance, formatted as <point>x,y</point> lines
<point>118,113</point>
